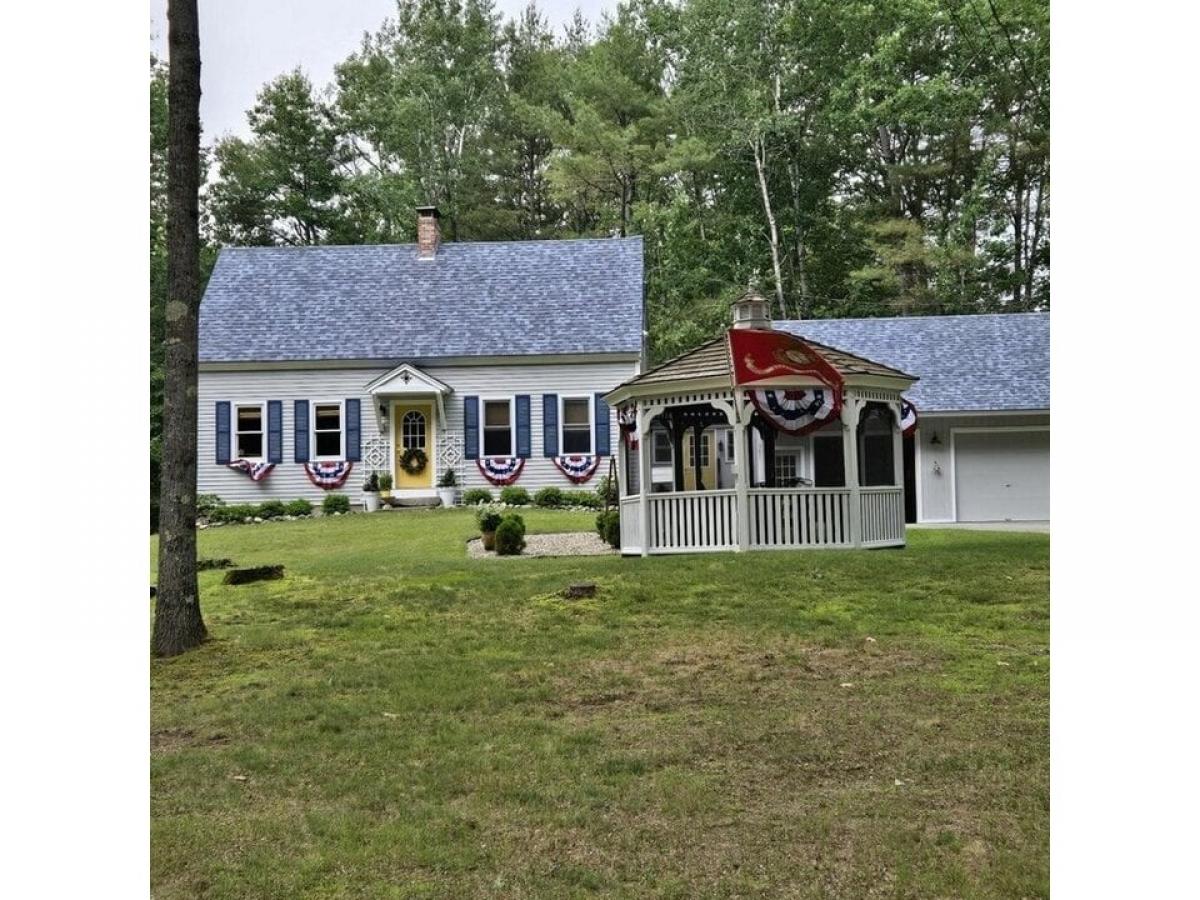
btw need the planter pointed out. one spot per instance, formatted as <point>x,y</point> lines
<point>386,495</point>
<point>489,540</point>
<point>370,501</point>
<point>446,495</point>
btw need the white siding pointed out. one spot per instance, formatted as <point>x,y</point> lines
<point>288,480</point>
<point>935,477</point>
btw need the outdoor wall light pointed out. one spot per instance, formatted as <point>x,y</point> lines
<point>935,439</point>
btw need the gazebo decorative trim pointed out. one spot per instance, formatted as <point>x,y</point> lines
<point>762,384</point>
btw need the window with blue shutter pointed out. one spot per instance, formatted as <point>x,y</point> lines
<point>601,443</point>
<point>222,432</point>
<point>274,431</point>
<point>524,439</point>
<point>471,426</point>
<point>550,424</point>
<point>301,431</point>
<point>353,429</point>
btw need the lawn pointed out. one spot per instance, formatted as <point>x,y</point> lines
<point>395,720</point>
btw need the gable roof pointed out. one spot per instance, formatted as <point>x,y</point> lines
<point>993,362</point>
<point>380,302</point>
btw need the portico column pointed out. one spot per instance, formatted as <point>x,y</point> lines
<point>851,409</point>
<point>741,484</point>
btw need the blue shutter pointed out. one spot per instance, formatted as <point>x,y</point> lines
<point>550,424</point>
<point>301,425</point>
<point>601,442</point>
<point>471,426</point>
<point>222,432</point>
<point>274,431</point>
<point>353,429</point>
<point>524,448</point>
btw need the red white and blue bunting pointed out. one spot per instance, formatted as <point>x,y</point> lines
<point>908,418</point>
<point>797,411</point>
<point>627,419</point>
<point>257,471</point>
<point>328,475</point>
<point>501,470</point>
<point>578,468</point>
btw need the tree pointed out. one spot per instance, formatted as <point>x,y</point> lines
<point>158,269</point>
<point>178,624</point>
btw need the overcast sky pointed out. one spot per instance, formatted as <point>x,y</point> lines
<point>244,43</point>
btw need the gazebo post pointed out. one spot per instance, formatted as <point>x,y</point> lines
<point>741,458</point>
<point>897,447</point>
<point>644,417</point>
<point>851,410</point>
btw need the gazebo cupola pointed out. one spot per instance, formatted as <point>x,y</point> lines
<point>761,439</point>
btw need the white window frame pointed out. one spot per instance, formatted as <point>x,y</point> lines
<point>512,426</point>
<point>591,411</point>
<point>654,433</point>
<point>235,431</point>
<point>312,430</point>
<point>689,452</point>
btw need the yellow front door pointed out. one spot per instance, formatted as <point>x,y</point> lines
<point>413,426</point>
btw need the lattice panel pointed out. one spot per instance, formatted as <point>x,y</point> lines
<point>450,455</point>
<point>377,455</point>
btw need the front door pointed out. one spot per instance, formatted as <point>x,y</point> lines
<point>413,425</point>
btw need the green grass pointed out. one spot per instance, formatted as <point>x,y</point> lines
<point>395,720</point>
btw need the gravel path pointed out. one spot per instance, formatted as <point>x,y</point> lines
<point>567,543</point>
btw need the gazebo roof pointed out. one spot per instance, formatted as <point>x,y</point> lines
<point>711,361</point>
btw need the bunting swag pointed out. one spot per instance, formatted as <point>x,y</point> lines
<point>501,470</point>
<point>256,471</point>
<point>578,468</point>
<point>328,475</point>
<point>908,418</point>
<point>797,411</point>
<point>627,419</point>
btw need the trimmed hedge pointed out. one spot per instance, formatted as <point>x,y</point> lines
<point>335,503</point>
<point>608,526</point>
<point>299,508</point>
<point>514,496</point>
<point>548,498</point>
<point>475,496</point>
<point>510,535</point>
<point>272,509</point>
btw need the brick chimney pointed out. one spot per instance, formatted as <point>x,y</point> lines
<point>429,233</point>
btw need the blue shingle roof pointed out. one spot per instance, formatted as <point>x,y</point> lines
<point>380,302</point>
<point>965,363</point>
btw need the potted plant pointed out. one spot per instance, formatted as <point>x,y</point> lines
<point>447,487</point>
<point>385,485</point>
<point>371,492</point>
<point>489,519</point>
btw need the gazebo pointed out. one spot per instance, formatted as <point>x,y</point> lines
<point>761,440</point>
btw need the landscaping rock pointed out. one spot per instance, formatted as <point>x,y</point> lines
<point>257,573</point>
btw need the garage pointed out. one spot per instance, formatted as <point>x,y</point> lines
<point>1002,475</point>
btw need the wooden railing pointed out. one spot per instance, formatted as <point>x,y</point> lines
<point>631,524</point>
<point>799,517</point>
<point>882,515</point>
<point>693,521</point>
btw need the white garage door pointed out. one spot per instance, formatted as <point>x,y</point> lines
<point>1002,475</point>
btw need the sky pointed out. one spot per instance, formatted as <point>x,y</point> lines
<point>245,43</point>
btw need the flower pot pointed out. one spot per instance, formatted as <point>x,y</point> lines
<point>446,495</point>
<point>386,495</point>
<point>370,501</point>
<point>489,540</point>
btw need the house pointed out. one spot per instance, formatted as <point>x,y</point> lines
<point>319,365</point>
<point>981,451</point>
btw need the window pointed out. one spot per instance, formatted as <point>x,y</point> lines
<point>703,450</point>
<point>662,448</point>
<point>576,425</point>
<point>725,445</point>
<point>786,472</point>
<point>250,432</point>
<point>327,431</point>
<point>497,428</point>
<point>412,430</point>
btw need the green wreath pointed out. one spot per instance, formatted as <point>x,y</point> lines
<point>414,460</point>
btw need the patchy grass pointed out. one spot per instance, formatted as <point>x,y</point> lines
<point>394,720</point>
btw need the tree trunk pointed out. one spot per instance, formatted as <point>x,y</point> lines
<point>801,250</point>
<point>760,168</point>
<point>178,625</point>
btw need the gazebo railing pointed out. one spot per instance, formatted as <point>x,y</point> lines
<point>693,521</point>
<point>799,517</point>
<point>631,524</point>
<point>882,515</point>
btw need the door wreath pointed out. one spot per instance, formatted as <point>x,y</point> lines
<point>413,461</point>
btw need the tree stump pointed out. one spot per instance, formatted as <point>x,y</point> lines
<point>257,573</point>
<point>580,590</point>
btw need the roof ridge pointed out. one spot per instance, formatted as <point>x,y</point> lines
<point>632,238</point>
<point>982,315</point>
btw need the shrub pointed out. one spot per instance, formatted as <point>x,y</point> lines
<point>548,497</point>
<point>272,509</point>
<point>608,526</point>
<point>206,503</point>
<point>488,518</point>
<point>475,496</point>
<point>335,503</point>
<point>514,496</point>
<point>371,484</point>
<point>385,481</point>
<point>587,499</point>
<point>606,491</point>
<point>448,479</point>
<point>299,508</point>
<point>233,514</point>
<point>510,536</point>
